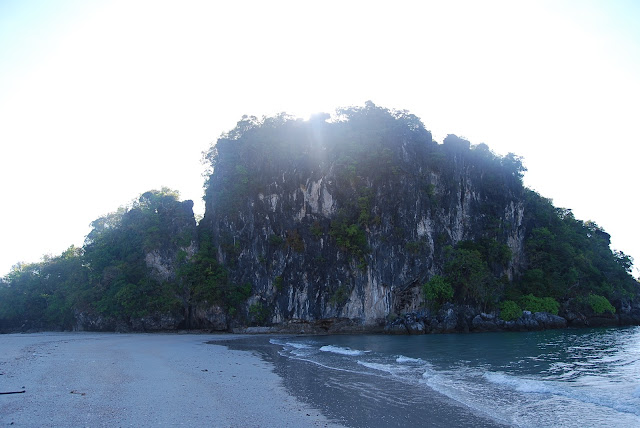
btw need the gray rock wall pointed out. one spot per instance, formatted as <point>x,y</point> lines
<point>279,240</point>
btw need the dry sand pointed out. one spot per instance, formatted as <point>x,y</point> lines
<point>118,380</point>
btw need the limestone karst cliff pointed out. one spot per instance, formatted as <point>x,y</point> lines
<point>349,217</point>
<point>353,228</point>
<point>356,221</point>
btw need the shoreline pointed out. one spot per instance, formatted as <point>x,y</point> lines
<point>357,399</point>
<point>142,379</point>
<point>455,319</point>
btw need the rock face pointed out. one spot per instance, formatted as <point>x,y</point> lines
<point>629,312</point>
<point>547,320</point>
<point>458,319</point>
<point>328,236</point>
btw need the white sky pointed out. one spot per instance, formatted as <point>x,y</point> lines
<point>101,101</point>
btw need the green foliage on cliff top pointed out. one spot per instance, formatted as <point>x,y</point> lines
<point>246,159</point>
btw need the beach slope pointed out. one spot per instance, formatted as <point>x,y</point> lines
<point>104,379</point>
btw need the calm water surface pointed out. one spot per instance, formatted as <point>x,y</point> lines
<point>569,378</point>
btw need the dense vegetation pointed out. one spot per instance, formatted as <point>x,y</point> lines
<point>150,258</point>
<point>111,274</point>
<point>570,261</point>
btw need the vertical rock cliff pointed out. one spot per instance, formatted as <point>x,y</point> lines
<point>348,218</point>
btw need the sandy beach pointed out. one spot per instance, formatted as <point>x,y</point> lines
<point>119,380</point>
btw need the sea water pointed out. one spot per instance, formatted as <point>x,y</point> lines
<point>567,378</point>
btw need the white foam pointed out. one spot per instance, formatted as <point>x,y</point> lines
<point>298,345</point>
<point>295,348</point>
<point>402,360</point>
<point>429,374</point>
<point>317,363</point>
<point>388,368</point>
<point>520,384</point>
<point>532,386</point>
<point>301,352</point>
<point>341,351</point>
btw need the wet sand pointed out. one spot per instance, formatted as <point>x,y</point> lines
<point>359,399</point>
<point>119,380</point>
